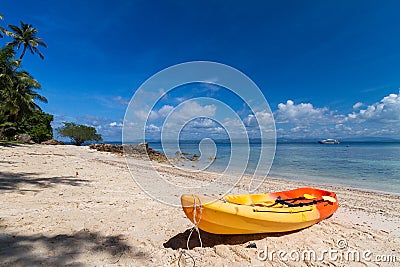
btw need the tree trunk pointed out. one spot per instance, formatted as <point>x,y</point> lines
<point>20,59</point>
<point>22,55</point>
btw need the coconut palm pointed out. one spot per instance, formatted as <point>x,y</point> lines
<point>25,36</point>
<point>1,28</point>
<point>23,95</point>
<point>25,85</point>
<point>17,92</point>
<point>7,65</point>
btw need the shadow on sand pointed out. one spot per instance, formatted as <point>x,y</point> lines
<point>211,240</point>
<point>61,250</point>
<point>9,144</point>
<point>12,181</point>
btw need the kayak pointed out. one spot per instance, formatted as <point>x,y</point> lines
<point>260,213</point>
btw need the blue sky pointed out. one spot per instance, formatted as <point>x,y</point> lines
<point>327,68</point>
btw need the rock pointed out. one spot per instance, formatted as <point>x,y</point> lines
<point>143,145</point>
<point>23,138</point>
<point>117,149</point>
<point>251,245</point>
<point>142,151</point>
<point>52,142</point>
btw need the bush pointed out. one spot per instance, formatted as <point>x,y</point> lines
<point>37,125</point>
<point>78,133</point>
<point>7,130</point>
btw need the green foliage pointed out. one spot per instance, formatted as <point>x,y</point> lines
<point>19,111</point>
<point>37,125</point>
<point>7,63</point>
<point>78,133</point>
<point>17,89</point>
<point>25,36</point>
<point>8,130</point>
<point>1,28</point>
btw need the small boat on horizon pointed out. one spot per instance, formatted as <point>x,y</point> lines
<point>329,141</point>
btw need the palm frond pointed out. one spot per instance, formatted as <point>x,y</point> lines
<point>40,98</point>
<point>38,52</point>
<point>16,29</point>
<point>25,36</point>
<point>39,42</point>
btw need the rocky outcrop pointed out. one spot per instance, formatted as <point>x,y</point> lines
<point>117,149</point>
<point>23,138</point>
<point>142,151</point>
<point>52,142</point>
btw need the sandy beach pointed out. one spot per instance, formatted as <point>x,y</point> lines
<point>67,205</point>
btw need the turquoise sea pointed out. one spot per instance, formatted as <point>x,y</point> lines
<point>365,165</point>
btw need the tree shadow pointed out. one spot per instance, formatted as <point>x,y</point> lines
<point>61,250</point>
<point>211,240</point>
<point>9,144</point>
<point>12,181</point>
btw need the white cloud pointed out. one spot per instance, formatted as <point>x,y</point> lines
<point>306,121</point>
<point>152,128</point>
<point>191,109</point>
<point>358,105</point>
<point>115,124</point>
<point>250,121</point>
<point>385,111</point>
<point>233,122</point>
<point>203,123</point>
<point>165,110</point>
<point>302,120</point>
<point>190,115</point>
<point>301,130</point>
<point>342,127</point>
<point>303,113</point>
<point>180,99</point>
<point>142,115</point>
<point>260,125</point>
<point>121,100</point>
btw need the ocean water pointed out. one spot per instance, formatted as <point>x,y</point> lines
<point>369,165</point>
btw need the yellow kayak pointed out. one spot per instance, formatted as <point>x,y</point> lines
<point>260,213</point>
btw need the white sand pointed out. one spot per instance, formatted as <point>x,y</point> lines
<point>65,205</point>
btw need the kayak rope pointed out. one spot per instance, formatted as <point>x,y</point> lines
<point>195,227</point>
<point>195,222</point>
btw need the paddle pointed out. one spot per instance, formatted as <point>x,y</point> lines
<point>305,196</point>
<point>324,199</point>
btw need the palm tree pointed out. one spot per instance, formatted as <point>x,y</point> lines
<point>23,96</point>
<point>7,65</point>
<point>17,92</point>
<point>1,28</point>
<point>25,36</point>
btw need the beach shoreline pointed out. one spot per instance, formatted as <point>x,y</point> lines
<point>73,205</point>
